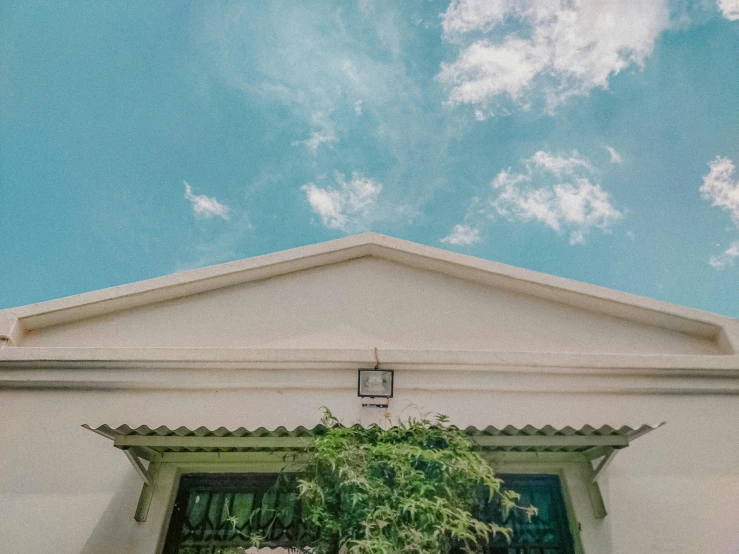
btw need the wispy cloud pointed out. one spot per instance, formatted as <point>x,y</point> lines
<point>729,9</point>
<point>520,48</point>
<point>347,74</point>
<point>323,132</point>
<point>462,235</point>
<point>206,207</point>
<point>575,206</point>
<point>726,258</point>
<point>347,207</point>
<point>204,248</point>
<point>616,158</point>
<point>720,188</point>
<point>312,61</point>
<point>316,139</point>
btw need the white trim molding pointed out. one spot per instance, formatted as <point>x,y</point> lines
<point>243,368</point>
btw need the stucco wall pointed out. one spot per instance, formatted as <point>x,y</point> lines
<point>65,490</point>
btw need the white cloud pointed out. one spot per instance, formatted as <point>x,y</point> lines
<point>466,16</point>
<point>616,158</point>
<point>579,207</point>
<point>726,258</point>
<point>729,9</point>
<point>723,191</point>
<point>719,187</point>
<point>347,207</point>
<point>563,49</point>
<point>575,206</point>
<point>462,234</point>
<point>206,207</point>
<point>558,165</point>
<point>485,70</point>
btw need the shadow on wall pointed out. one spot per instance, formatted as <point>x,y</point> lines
<point>116,531</point>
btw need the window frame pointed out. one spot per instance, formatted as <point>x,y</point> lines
<point>573,473</point>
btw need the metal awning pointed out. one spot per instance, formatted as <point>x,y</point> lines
<point>162,445</point>
<point>157,443</point>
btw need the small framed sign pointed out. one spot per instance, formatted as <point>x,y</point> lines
<point>375,383</point>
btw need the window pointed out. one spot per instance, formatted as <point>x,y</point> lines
<point>546,533</point>
<point>215,514</point>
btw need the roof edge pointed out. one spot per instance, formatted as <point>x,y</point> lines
<point>592,298</point>
<point>185,283</point>
<point>11,329</point>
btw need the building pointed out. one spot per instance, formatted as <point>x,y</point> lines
<point>228,363</point>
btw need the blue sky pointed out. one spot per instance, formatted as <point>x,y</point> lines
<point>593,140</point>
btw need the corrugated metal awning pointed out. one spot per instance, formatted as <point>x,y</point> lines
<point>163,440</point>
<point>162,444</point>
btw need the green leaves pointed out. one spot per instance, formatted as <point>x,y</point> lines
<point>409,489</point>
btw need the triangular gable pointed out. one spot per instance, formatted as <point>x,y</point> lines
<point>370,291</point>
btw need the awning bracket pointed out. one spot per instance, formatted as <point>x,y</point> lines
<point>607,453</point>
<point>148,474</point>
<point>604,463</point>
<point>138,465</point>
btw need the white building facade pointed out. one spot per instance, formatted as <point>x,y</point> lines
<point>266,342</point>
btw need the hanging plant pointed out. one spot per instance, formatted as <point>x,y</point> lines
<point>410,488</point>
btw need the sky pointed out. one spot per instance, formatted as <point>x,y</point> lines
<point>595,140</point>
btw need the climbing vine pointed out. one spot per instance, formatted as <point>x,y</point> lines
<point>410,488</point>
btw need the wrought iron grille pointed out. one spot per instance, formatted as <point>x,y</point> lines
<point>546,533</point>
<point>216,514</point>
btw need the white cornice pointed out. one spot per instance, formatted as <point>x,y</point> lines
<point>245,357</point>
<point>227,369</point>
